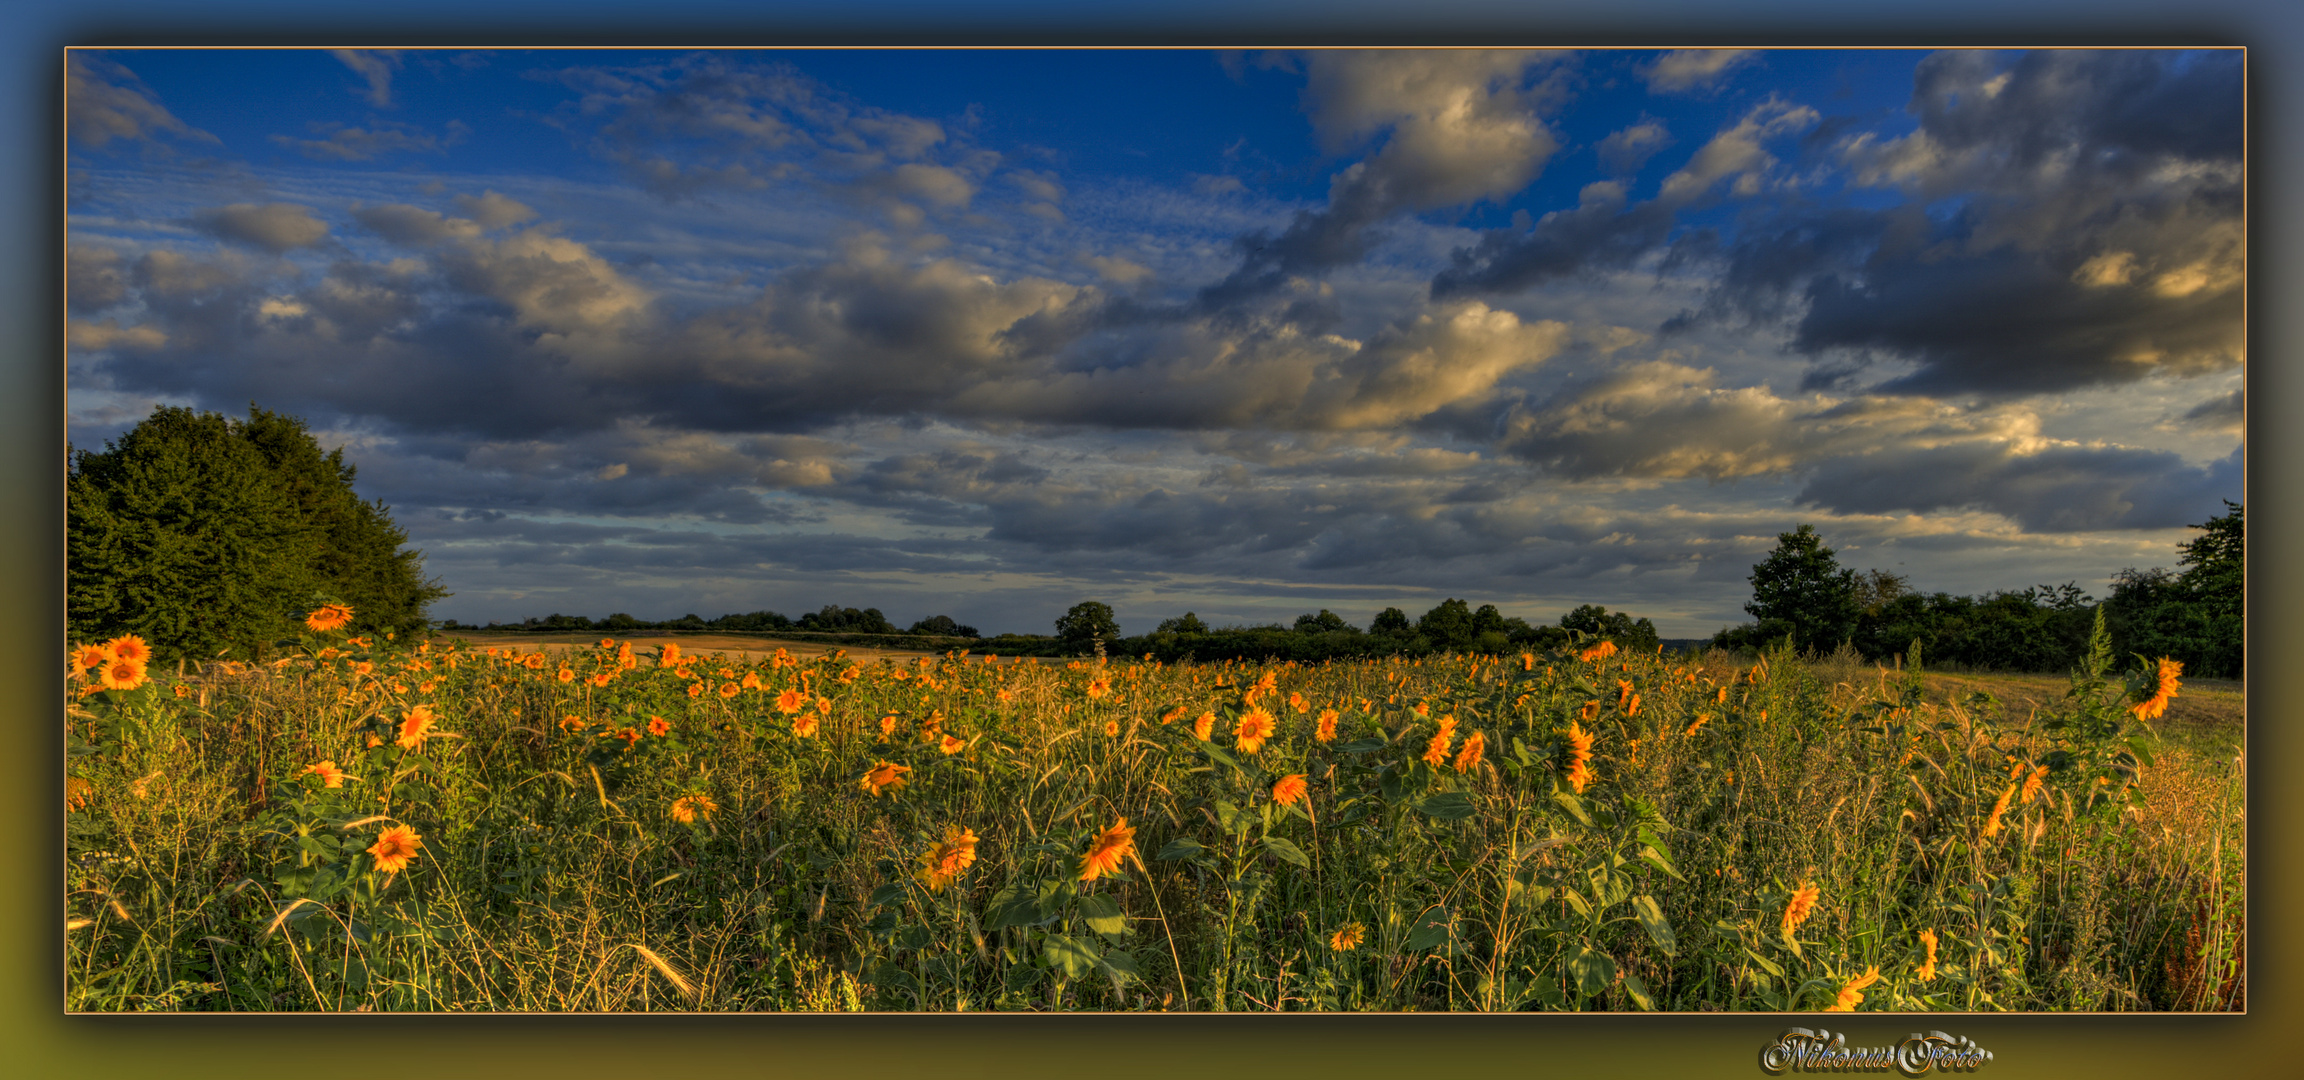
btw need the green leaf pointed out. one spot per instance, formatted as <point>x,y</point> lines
<point>1766,964</point>
<point>1287,850</point>
<point>1228,817</point>
<point>1576,900</point>
<point>1448,806</point>
<point>1594,971</point>
<point>1070,955</point>
<point>1016,904</point>
<point>1121,966</point>
<point>1183,847</point>
<point>884,894</point>
<point>1573,805</point>
<point>1655,857</point>
<point>1102,914</point>
<point>1432,929</point>
<point>911,936</point>
<point>1639,992</point>
<point>1360,746</point>
<point>1652,917</point>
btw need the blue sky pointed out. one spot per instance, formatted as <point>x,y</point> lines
<point>984,333</point>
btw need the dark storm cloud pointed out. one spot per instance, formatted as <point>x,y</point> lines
<point>2084,228</point>
<point>2227,414</point>
<point>2057,489</point>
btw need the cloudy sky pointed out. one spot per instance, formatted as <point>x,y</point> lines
<point>986,333</point>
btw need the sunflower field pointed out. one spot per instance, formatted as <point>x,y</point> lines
<point>377,825</point>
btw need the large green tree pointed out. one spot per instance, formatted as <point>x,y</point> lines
<point>2197,616</point>
<point>1801,590</point>
<point>204,535</point>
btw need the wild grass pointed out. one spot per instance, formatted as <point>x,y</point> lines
<point>209,869</point>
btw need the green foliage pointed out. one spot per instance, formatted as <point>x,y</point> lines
<point>204,534</point>
<point>1596,621</point>
<point>1086,624</point>
<point>1800,590</point>
<point>2196,616</point>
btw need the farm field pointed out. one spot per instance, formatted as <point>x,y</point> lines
<point>619,826</point>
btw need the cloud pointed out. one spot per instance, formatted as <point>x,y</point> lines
<point>374,65</point>
<point>105,101</point>
<point>272,227</point>
<point>492,211</point>
<point>2087,230</point>
<point>2224,415</point>
<point>414,226</point>
<point>95,277</point>
<point>2051,490</point>
<point>1604,231</point>
<point>1625,150</point>
<point>1458,127</point>
<point>345,143</point>
<point>1688,70</point>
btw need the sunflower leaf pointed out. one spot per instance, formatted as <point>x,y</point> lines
<point>1102,914</point>
<point>1448,806</point>
<point>1594,971</point>
<point>1070,955</point>
<point>1286,850</point>
<point>1432,930</point>
<point>1183,847</point>
<point>1638,991</point>
<point>1652,917</point>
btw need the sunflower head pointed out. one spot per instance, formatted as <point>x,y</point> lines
<point>395,848</point>
<point>1289,790</point>
<point>1108,850</point>
<point>884,777</point>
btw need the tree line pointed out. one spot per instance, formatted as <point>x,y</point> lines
<point>2194,614</point>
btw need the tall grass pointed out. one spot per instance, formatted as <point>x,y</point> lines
<point>208,869</point>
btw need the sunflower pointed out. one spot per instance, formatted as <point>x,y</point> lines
<point>415,727</point>
<point>1698,724</point>
<point>942,864</point>
<point>1105,853</point>
<point>951,746</point>
<point>804,725</point>
<point>1296,701</point>
<point>121,673</point>
<point>885,776</point>
<point>1254,728</point>
<point>329,617</point>
<point>2163,684</point>
<point>1597,653</point>
<point>1436,751</point>
<point>86,658</point>
<point>1204,726</point>
<point>1469,757</point>
<point>2032,785</point>
<point>887,728</point>
<point>329,774</point>
<point>1927,968</point>
<point>1111,729</point>
<point>631,736</point>
<point>572,723</point>
<point>1172,715</point>
<point>1327,729</point>
<point>695,689</point>
<point>1802,905</point>
<point>395,848</point>
<point>1288,790</point>
<point>1851,994</point>
<point>659,727</point>
<point>790,701</point>
<point>1992,823</point>
<point>687,808</point>
<point>1580,771</point>
<point>669,655</point>
<point>1099,687</point>
<point>1348,937</point>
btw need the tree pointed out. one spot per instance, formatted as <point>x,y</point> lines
<point>1087,623</point>
<point>2197,616</point>
<point>1188,623</point>
<point>1391,620</point>
<point>1619,627</point>
<point>1800,589</point>
<point>1448,625</point>
<point>943,626</point>
<point>203,535</point>
<point>1327,622</point>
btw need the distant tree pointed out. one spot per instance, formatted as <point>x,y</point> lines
<point>1391,620</point>
<point>1188,623</point>
<point>619,621</point>
<point>942,626</point>
<point>1087,623</point>
<point>834,619</point>
<point>1448,625</point>
<point>2198,615</point>
<point>1619,627</point>
<point>1327,622</point>
<point>1876,589</point>
<point>203,534</point>
<point>1800,589</point>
